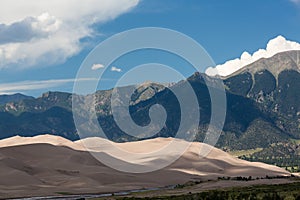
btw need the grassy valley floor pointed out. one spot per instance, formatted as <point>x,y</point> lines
<point>283,188</point>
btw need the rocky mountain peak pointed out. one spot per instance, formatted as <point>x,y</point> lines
<point>288,60</point>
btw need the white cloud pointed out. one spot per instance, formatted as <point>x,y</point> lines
<point>16,87</point>
<point>274,46</point>
<point>45,32</point>
<point>97,66</point>
<point>28,29</point>
<point>115,69</point>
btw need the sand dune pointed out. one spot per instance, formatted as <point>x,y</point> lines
<point>48,165</point>
<point>40,139</point>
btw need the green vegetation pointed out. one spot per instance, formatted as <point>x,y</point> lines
<point>291,164</point>
<point>295,141</point>
<point>246,153</point>
<point>240,84</point>
<point>263,192</point>
<point>64,193</point>
<point>282,154</point>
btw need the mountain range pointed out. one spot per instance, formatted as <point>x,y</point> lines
<point>13,98</point>
<point>263,110</point>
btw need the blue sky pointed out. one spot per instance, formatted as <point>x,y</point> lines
<point>224,28</point>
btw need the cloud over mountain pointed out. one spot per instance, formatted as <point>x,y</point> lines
<point>274,46</point>
<point>46,32</point>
